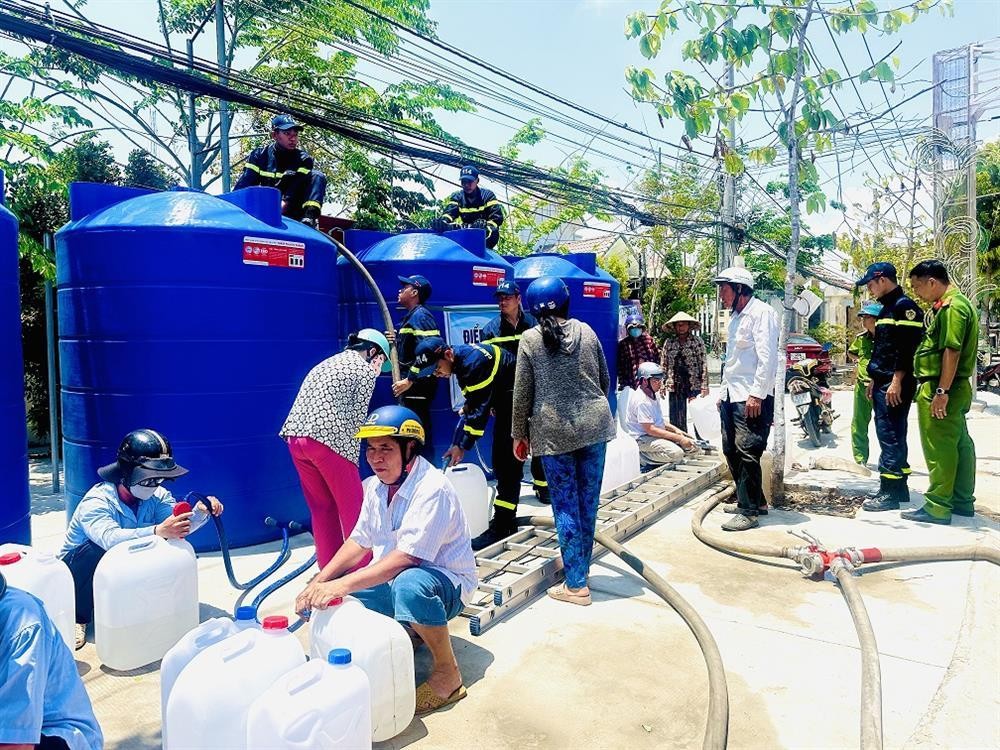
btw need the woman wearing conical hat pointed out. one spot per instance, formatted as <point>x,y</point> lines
<point>684,367</point>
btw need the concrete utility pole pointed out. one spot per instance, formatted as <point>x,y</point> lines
<point>220,50</point>
<point>729,244</point>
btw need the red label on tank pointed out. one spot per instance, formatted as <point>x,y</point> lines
<point>485,276</point>
<point>597,289</point>
<point>259,251</point>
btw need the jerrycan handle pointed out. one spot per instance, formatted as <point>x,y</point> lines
<point>459,468</point>
<point>303,682</point>
<point>143,545</point>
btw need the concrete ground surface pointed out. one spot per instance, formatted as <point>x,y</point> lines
<point>627,673</point>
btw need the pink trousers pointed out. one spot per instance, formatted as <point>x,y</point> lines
<point>332,486</point>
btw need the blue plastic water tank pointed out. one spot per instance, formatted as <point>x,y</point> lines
<point>593,296</point>
<point>197,316</point>
<point>462,272</point>
<point>15,502</point>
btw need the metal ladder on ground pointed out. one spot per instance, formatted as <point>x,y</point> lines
<point>515,571</point>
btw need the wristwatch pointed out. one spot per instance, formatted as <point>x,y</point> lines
<point>940,392</point>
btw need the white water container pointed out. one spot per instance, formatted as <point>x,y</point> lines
<point>621,461</point>
<point>145,600</point>
<point>193,643</point>
<point>381,647</point>
<point>46,577</point>
<point>209,702</point>
<point>324,703</point>
<point>473,493</point>
<point>623,398</point>
<point>703,413</point>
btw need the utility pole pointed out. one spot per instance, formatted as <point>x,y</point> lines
<point>220,49</point>
<point>970,194</point>
<point>193,146</point>
<point>729,184</point>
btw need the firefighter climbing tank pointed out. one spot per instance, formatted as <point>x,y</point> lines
<point>197,316</point>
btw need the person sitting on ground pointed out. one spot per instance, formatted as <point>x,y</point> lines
<point>659,441</point>
<point>422,570</point>
<point>42,701</point>
<point>130,503</point>
<point>282,164</point>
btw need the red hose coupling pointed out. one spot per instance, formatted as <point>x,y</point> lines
<point>871,554</point>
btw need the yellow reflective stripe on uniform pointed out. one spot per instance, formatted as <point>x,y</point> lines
<point>885,322</point>
<point>303,170</point>
<point>470,210</point>
<point>504,504</point>
<point>252,167</point>
<point>414,369</point>
<point>500,339</point>
<point>417,332</point>
<point>907,471</point>
<point>493,374</point>
<point>473,431</point>
<point>311,204</point>
<point>891,476</point>
<point>491,203</point>
<point>261,172</point>
<point>915,323</point>
<point>539,483</point>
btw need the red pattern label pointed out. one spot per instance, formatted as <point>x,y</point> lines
<point>260,251</point>
<point>487,276</point>
<point>597,289</point>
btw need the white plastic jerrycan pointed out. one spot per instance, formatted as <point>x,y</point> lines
<point>193,643</point>
<point>703,414</point>
<point>381,647</point>
<point>46,577</point>
<point>145,600</point>
<point>324,703</point>
<point>473,495</point>
<point>210,700</point>
<point>621,461</point>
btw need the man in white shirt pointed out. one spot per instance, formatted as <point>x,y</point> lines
<point>422,570</point>
<point>746,400</point>
<point>659,441</point>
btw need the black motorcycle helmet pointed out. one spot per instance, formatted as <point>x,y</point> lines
<point>143,454</point>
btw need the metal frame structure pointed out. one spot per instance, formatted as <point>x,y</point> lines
<point>515,571</point>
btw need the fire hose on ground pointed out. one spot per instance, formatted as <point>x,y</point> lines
<point>814,560</point>
<point>717,724</point>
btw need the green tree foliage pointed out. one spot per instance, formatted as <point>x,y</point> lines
<point>988,216</point>
<point>142,170</point>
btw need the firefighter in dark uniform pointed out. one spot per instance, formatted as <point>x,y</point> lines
<point>505,331</point>
<point>485,373</point>
<point>417,391</point>
<point>472,206</point>
<point>282,164</point>
<point>899,328</point>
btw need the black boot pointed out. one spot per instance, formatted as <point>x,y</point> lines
<point>903,490</point>
<point>886,499</point>
<point>542,493</point>
<point>311,217</point>
<point>504,524</point>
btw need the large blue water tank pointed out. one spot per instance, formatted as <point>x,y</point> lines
<point>15,502</point>
<point>593,296</point>
<point>197,316</point>
<point>462,272</point>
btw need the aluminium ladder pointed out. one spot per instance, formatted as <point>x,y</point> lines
<point>516,570</point>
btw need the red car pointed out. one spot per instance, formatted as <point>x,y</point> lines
<point>801,346</point>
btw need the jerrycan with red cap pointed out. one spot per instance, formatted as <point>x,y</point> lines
<point>46,577</point>
<point>381,647</point>
<point>211,698</point>
<point>145,599</point>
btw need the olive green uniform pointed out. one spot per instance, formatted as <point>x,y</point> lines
<point>861,348</point>
<point>948,448</point>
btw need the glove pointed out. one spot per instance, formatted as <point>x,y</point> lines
<point>286,178</point>
<point>480,224</point>
<point>440,225</point>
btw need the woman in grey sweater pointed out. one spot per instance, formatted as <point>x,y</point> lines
<point>561,408</point>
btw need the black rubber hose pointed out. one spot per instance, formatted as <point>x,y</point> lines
<point>717,723</point>
<point>871,672</point>
<point>271,588</point>
<point>283,555</point>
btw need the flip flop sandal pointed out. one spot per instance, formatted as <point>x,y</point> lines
<point>428,701</point>
<point>563,594</point>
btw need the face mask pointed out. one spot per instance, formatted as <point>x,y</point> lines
<point>634,332</point>
<point>140,492</point>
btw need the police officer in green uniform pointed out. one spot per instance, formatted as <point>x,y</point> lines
<point>861,350</point>
<point>943,365</point>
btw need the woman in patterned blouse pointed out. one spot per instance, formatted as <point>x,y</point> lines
<point>684,367</point>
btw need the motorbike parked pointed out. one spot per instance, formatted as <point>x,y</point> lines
<point>987,373</point>
<point>812,400</point>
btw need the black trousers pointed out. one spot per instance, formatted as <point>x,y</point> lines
<point>890,428</point>
<point>679,410</point>
<point>51,742</point>
<point>309,188</point>
<point>743,443</point>
<point>506,467</point>
<point>420,398</point>
<point>82,562</point>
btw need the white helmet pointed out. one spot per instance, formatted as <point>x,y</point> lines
<point>735,275</point>
<point>649,370</point>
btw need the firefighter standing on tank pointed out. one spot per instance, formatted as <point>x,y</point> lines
<point>418,323</point>
<point>505,331</point>
<point>485,373</point>
<point>472,206</point>
<point>899,328</point>
<point>282,164</point>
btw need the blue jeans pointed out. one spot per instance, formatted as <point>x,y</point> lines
<point>575,490</point>
<point>425,596</point>
<point>891,428</point>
